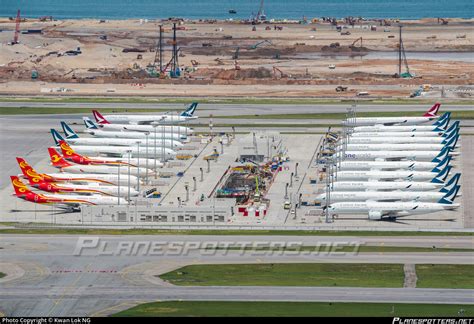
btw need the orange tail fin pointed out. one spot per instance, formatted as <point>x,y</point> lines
<point>67,150</point>
<point>29,172</point>
<point>56,159</point>
<point>19,186</point>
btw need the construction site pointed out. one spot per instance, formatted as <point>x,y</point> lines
<point>319,57</point>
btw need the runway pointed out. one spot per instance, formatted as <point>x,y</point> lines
<point>55,282</point>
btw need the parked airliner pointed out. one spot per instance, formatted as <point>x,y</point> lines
<point>392,210</point>
<point>89,189</point>
<point>404,175</point>
<point>69,202</point>
<point>70,155</point>
<point>111,179</point>
<point>138,119</point>
<point>440,125</point>
<point>116,141</point>
<point>392,185</point>
<point>64,166</point>
<point>429,116</point>
<point>393,165</point>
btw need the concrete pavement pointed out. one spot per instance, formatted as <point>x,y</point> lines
<point>47,279</point>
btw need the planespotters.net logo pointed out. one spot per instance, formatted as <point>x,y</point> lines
<point>96,246</point>
<point>401,320</point>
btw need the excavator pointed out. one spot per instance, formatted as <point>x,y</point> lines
<point>282,74</point>
<point>355,42</point>
<point>235,56</point>
<point>442,21</point>
<point>254,46</point>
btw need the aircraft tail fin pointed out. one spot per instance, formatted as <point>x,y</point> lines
<point>442,164</point>
<point>56,159</point>
<point>450,136</point>
<point>68,131</point>
<point>441,177</point>
<point>29,172</point>
<point>442,155</point>
<point>99,118</point>
<point>89,123</point>
<point>433,111</point>
<point>453,128</point>
<point>448,198</point>
<point>66,150</point>
<point>451,183</point>
<point>451,144</point>
<point>190,110</point>
<point>443,121</point>
<point>56,136</point>
<point>19,186</point>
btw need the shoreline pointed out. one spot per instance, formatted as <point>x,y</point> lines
<point>35,18</point>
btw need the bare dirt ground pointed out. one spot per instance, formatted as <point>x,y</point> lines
<point>293,61</point>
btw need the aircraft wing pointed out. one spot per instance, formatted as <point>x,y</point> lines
<point>395,123</point>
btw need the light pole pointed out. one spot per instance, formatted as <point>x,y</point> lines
<point>118,180</point>
<point>129,152</point>
<point>138,168</point>
<point>195,185</point>
<point>146,154</point>
<point>163,141</point>
<point>202,174</point>
<point>154,124</point>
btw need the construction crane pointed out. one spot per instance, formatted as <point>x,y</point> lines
<point>159,50</point>
<point>260,14</point>
<point>17,28</point>
<point>254,46</point>
<point>402,59</point>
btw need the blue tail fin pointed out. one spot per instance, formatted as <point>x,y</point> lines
<point>56,136</point>
<point>443,122</point>
<point>448,138</point>
<point>451,183</point>
<point>190,110</point>
<point>448,199</point>
<point>441,177</point>
<point>451,144</point>
<point>442,154</point>
<point>89,123</point>
<point>441,165</point>
<point>454,126</point>
<point>68,131</point>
